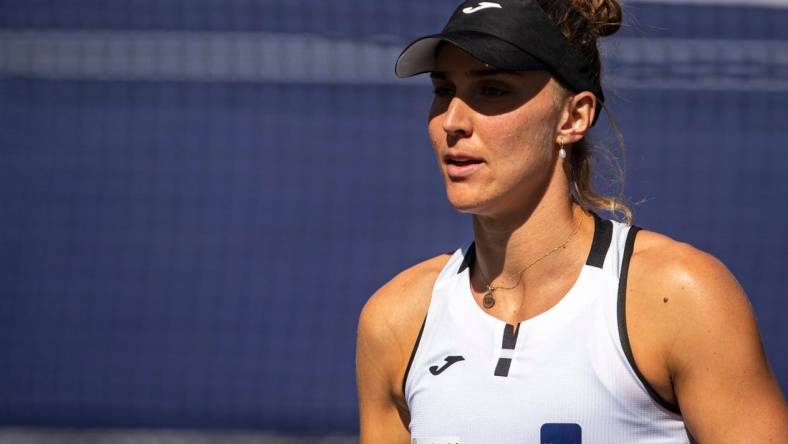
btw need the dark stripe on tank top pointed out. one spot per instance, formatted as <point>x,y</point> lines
<point>468,258</point>
<point>502,369</point>
<point>603,234</point>
<point>412,356</point>
<point>509,342</point>
<point>510,333</point>
<point>622,323</point>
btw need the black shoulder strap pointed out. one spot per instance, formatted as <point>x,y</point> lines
<point>603,235</point>
<point>469,258</point>
<point>622,323</point>
<point>412,356</point>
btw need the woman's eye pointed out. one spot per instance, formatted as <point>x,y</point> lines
<point>442,91</point>
<point>492,91</point>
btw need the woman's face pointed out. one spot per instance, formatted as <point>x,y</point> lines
<point>494,132</point>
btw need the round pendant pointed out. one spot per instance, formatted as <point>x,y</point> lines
<point>489,300</point>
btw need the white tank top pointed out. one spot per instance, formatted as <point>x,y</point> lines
<point>564,376</point>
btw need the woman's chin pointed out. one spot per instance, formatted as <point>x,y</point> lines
<point>465,203</point>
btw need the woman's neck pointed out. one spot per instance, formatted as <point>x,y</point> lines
<point>505,247</point>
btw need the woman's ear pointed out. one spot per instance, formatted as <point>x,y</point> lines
<point>577,117</point>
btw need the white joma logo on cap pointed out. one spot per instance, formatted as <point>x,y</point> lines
<point>482,5</point>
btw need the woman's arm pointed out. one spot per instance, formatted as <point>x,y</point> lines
<point>377,359</point>
<point>714,356</point>
<point>387,331</point>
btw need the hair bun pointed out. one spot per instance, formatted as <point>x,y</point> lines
<point>604,16</point>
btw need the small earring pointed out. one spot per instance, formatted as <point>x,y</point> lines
<point>562,151</point>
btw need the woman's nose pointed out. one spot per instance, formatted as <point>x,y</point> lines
<point>457,120</point>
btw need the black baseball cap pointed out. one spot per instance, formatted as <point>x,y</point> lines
<point>506,34</point>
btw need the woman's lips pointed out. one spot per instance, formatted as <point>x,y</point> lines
<point>461,167</point>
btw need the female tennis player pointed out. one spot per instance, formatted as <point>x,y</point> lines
<point>553,325</point>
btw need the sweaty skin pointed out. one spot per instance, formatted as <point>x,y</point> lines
<point>692,330</point>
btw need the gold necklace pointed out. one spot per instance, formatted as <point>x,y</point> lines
<point>489,296</point>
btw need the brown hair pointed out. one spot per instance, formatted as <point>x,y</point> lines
<point>582,22</point>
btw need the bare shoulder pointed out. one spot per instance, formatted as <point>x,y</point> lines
<point>393,315</point>
<point>387,330</point>
<point>672,289</point>
<point>405,296</point>
<point>678,289</point>
<point>699,342</point>
<point>694,280</point>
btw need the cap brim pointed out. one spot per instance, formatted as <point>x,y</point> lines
<point>419,57</point>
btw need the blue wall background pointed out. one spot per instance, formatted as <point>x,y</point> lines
<point>194,252</point>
